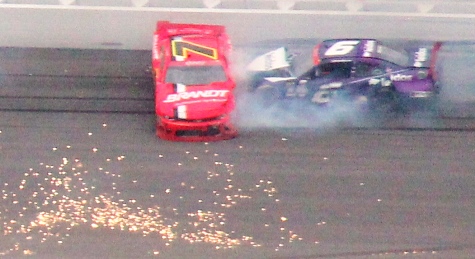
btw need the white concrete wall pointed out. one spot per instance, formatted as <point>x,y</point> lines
<point>125,27</point>
<point>452,6</point>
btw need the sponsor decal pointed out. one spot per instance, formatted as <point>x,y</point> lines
<point>180,49</point>
<point>181,112</point>
<point>421,56</point>
<point>333,85</point>
<point>368,48</point>
<point>195,63</point>
<point>195,95</point>
<point>401,77</point>
<point>271,59</point>
<point>420,94</point>
<point>180,88</point>
<point>275,59</point>
<point>155,51</point>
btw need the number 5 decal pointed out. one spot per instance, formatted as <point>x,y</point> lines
<point>341,48</point>
<point>321,97</point>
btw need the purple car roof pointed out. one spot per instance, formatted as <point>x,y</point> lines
<point>403,55</point>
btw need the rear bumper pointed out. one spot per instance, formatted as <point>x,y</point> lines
<point>195,131</point>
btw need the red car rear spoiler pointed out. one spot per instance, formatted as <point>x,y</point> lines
<point>433,60</point>
<point>316,55</point>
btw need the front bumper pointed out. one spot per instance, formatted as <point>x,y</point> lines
<point>195,131</point>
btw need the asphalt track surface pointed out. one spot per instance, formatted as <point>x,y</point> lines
<point>83,176</point>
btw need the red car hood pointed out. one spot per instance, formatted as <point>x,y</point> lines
<point>196,102</point>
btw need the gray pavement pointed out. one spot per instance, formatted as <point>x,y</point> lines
<point>101,185</point>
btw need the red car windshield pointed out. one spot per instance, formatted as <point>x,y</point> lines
<point>195,75</point>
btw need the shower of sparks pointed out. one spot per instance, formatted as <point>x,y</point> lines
<point>50,201</point>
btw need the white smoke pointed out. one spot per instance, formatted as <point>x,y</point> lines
<point>457,64</point>
<point>252,111</point>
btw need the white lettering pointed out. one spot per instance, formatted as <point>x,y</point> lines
<point>195,95</point>
<point>195,63</point>
<point>155,50</point>
<point>400,77</point>
<point>333,85</point>
<point>369,48</point>
<point>421,56</point>
<point>420,94</point>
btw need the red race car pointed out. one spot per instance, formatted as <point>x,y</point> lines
<point>193,82</point>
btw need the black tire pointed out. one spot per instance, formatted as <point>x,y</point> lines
<point>424,107</point>
<point>253,85</point>
<point>385,102</point>
<point>268,94</point>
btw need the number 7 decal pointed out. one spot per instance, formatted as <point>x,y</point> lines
<point>341,48</point>
<point>181,48</point>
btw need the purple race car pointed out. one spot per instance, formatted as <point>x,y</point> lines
<point>365,72</point>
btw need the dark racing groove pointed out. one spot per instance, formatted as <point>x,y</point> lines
<point>417,251</point>
<point>397,187</point>
<point>114,81</point>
